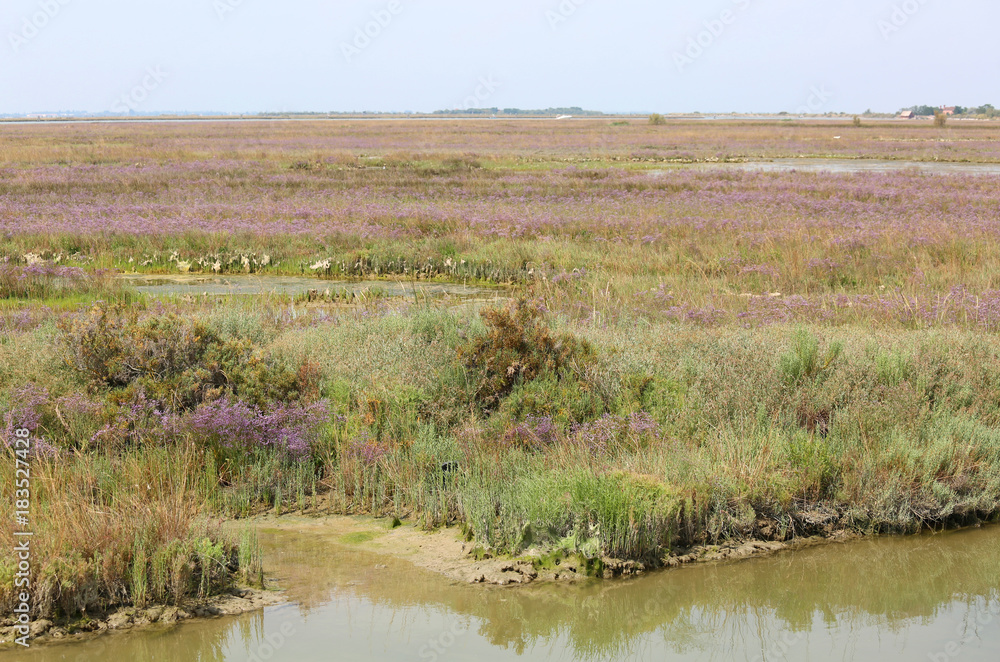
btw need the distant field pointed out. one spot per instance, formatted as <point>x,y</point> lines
<point>521,201</point>
<point>557,141</point>
<point>692,353</point>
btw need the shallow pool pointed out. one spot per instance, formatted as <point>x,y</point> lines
<point>930,597</point>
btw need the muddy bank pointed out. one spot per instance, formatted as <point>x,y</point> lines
<point>443,551</point>
<point>446,552</point>
<point>375,607</point>
<point>236,601</point>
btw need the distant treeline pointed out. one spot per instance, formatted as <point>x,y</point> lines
<point>987,110</point>
<point>575,110</point>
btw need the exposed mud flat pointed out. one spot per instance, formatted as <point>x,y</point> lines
<point>445,551</point>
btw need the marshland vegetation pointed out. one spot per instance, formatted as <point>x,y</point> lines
<point>703,356</point>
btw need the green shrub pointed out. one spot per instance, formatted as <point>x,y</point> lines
<point>804,362</point>
<point>892,368</point>
<point>812,460</point>
<point>432,326</point>
<point>567,401</point>
<point>656,395</point>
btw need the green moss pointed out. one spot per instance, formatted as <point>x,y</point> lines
<point>480,554</point>
<point>359,537</point>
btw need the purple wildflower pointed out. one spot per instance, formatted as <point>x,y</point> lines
<point>238,425</point>
<point>611,433</point>
<point>535,432</point>
<point>367,449</point>
<point>24,412</point>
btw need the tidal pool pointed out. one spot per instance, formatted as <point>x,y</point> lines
<point>852,166</point>
<point>871,165</point>
<point>224,285</point>
<point>929,597</point>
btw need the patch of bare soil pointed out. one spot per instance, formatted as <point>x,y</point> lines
<point>445,552</point>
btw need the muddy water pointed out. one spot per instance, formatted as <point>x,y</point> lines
<point>198,285</point>
<point>932,597</point>
<point>866,165</point>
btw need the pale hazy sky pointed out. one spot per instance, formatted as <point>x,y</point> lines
<point>610,55</point>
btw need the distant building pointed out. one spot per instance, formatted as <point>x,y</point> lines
<point>907,115</point>
<point>947,110</point>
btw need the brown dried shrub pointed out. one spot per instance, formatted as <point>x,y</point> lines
<point>518,347</point>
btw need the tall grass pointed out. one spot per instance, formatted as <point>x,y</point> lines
<point>39,280</point>
<point>125,529</point>
<point>752,437</point>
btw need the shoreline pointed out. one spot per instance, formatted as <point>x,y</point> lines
<point>238,600</point>
<point>442,551</point>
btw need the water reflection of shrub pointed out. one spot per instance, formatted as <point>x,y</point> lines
<point>720,607</point>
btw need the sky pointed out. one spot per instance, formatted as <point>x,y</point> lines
<point>715,56</point>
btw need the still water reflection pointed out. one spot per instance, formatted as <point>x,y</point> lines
<point>225,285</point>
<point>932,597</point>
<point>847,166</point>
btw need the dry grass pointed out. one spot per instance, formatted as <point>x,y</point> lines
<point>119,530</point>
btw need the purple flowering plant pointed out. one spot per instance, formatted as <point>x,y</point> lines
<point>230,424</point>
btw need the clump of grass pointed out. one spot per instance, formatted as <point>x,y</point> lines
<point>45,280</point>
<point>120,530</point>
<point>606,513</point>
<point>804,362</point>
<point>257,482</point>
